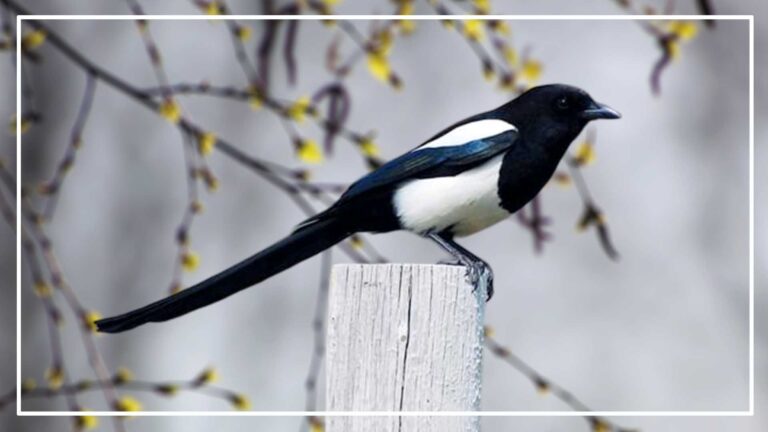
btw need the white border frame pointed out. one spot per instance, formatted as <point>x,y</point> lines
<point>746,413</point>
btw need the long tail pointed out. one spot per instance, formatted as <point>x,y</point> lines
<point>302,244</point>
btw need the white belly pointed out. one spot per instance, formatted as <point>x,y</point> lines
<point>467,202</point>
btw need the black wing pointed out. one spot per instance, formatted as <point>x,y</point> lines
<point>418,164</point>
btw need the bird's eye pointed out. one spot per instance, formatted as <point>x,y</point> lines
<point>563,103</point>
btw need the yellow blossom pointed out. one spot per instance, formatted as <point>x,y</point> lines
<point>482,7</point>
<point>255,99</point>
<point>207,376</point>
<point>378,65</point>
<point>206,141</point>
<point>406,26</point>
<point>122,375</point>
<point>190,261</point>
<point>298,110</point>
<point>128,403</point>
<point>585,154</point>
<point>368,147</point>
<point>33,39</point>
<point>500,27</point>
<point>170,110</point>
<point>28,384</point>
<point>42,289</point>
<point>488,72</point>
<point>673,46</point>
<point>309,151</point>
<point>510,55</point>
<point>240,402</point>
<point>316,425</point>
<point>89,320</point>
<point>685,30</point>
<point>243,33</point>
<point>531,70</point>
<point>473,30</point>
<point>600,425</point>
<point>86,422</point>
<point>21,128</point>
<point>212,8</point>
<point>55,377</point>
<point>385,40</point>
<point>212,183</point>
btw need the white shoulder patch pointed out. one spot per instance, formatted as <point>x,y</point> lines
<point>469,132</point>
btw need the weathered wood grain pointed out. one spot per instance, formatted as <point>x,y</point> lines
<point>403,337</point>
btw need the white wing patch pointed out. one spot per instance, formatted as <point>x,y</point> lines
<point>468,202</point>
<point>469,132</point>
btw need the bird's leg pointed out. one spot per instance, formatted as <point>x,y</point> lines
<point>477,269</point>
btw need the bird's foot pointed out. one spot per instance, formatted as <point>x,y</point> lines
<point>479,272</point>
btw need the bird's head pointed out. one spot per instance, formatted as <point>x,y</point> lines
<point>556,109</point>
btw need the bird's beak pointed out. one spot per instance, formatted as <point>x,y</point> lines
<point>599,111</point>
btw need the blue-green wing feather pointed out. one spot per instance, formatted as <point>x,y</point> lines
<point>432,162</point>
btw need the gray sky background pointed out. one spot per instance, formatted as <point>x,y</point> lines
<point>664,328</point>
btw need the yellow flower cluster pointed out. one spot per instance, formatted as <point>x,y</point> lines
<point>55,377</point>
<point>299,109</point>
<point>531,70</point>
<point>33,39</point>
<point>207,376</point>
<point>212,8</point>
<point>19,127</point>
<point>89,320</point>
<point>309,151</point>
<point>42,289</point>
<point>206,141</point>
<point>128,404</point>
<point>170,110</point>
<point>243,33</point>
<point>368,147</point>
<point>405,7</point>
<point>474,29</point>
<point>316,425</point>
<point>681,31</point>
<point>122,375</point>
<point>585,154</point>
<point>482,7</point>
<point>255,98</point>
<point>190,261</point>
<point>378,59</point>
<point>240,402</point>
<point>86,422</point>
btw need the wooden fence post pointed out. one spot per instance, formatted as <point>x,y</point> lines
<point>403,337</point>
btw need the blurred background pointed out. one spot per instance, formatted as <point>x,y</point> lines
<point>663,328</point>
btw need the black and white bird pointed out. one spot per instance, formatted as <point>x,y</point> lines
<point>464,179</point>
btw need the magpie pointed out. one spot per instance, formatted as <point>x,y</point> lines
<point>467,177</point>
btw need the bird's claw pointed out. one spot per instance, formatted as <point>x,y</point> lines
<point>479,272</point>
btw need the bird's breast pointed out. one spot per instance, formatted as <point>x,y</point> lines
<point>464,203</point>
